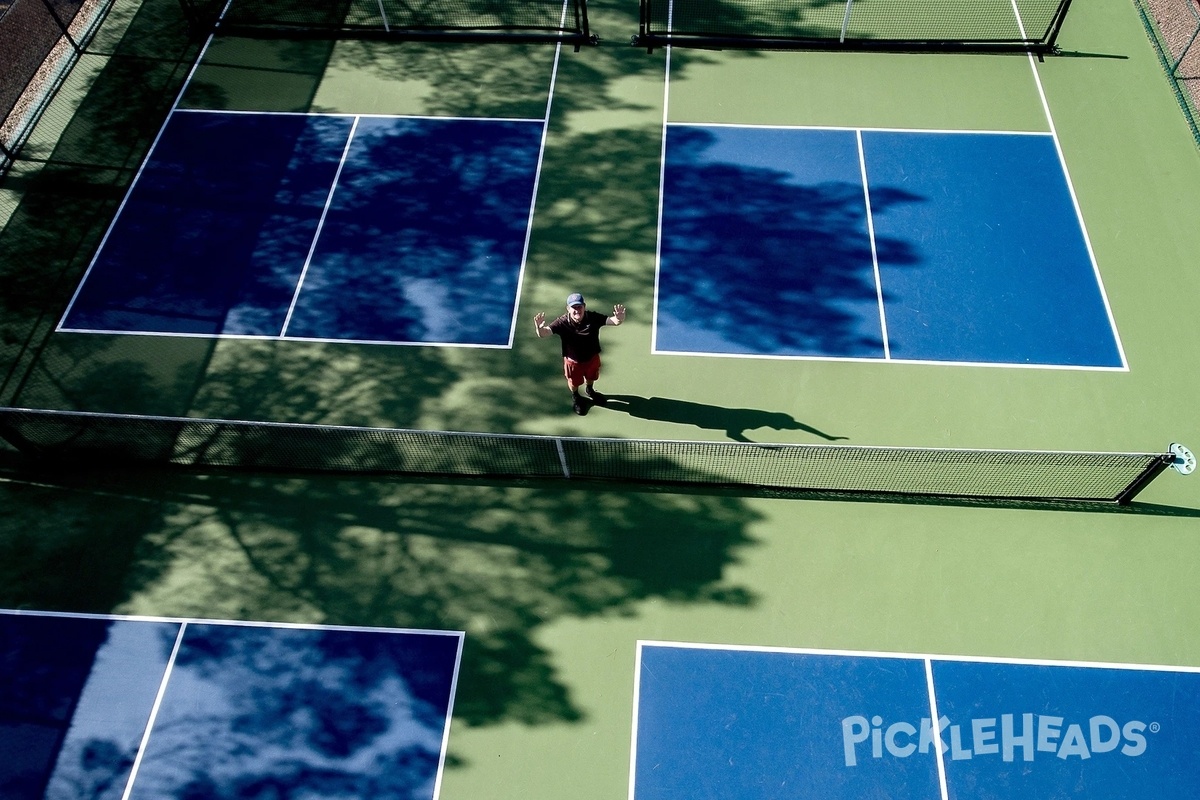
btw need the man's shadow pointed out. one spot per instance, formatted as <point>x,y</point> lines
<point>733,421</point>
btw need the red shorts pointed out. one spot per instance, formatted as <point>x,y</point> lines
<point>582,372</point>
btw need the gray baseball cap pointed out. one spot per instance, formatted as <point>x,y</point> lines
<point>575,300</point>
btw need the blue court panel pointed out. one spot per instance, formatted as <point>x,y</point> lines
<point>766,249</point>
<point>425,235</point>
<point>739,724</point>
<point>1003,273</point>
<point>1094,733</point>
<point>247,711</point>
<point>372,229</point>
<point>742,725</point>
<point>250,711</point>
<point>77,696</point>
<point>213,236</point>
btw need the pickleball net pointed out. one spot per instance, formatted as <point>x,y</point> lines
<point>481,20</point>
<point>96,439</point>
<point>922,25</point>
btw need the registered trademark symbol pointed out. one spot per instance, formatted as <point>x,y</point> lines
<point>1155,727</point>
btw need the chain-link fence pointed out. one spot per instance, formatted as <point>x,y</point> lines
<point>40,41</point>
<point>903,25</point>
<point>1174,28</point>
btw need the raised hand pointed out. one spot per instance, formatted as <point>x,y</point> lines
<point>619,312</point>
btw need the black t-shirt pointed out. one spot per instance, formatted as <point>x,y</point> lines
<point>580,342</point>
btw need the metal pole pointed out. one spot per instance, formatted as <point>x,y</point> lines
<point>1152,471</point>
<point>1056,25</point>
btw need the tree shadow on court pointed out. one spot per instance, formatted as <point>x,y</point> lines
<point>734,422</point>
<point>276,712</point>
<point>251,710</point>
<point>784,267</point>
<point>66,187</point>
<point>502,561</point>
<point>497,560</point>
<point>262,74</point>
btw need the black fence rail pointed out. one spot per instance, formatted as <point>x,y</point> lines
<point>82,438</point>
<point>894,25</point>
<point>473,20</point>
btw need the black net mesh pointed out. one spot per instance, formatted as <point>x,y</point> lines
<point>99,439</point>
<point>857,22</point>
<point>563,20</point>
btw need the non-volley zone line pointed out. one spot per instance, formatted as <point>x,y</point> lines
<point>321,227</point>
<point>913,246</point>
<point>811,724</point>
<point>162,706</point>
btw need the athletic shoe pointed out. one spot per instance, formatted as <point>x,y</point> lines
<point>579,406</point>
<point>597,398</point>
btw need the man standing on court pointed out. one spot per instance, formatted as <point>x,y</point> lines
<point>579,330</point>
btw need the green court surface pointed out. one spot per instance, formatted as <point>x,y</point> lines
<point>554,583</point>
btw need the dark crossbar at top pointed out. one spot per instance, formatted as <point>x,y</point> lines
<point>83,438</point>
<point>887,25</point>
<point>464,20</point>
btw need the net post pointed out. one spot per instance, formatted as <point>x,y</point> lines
<point>582,24</point>
<point>1056,24</point>
<point>1152,471</point>
<point>643,39</point>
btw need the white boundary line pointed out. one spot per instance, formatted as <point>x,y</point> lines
<point>308,626</point>
<point>927,660</point>
<point>537,182</point>
<point>1062,160</point>
<point>277,338</point>
<point>312,247</point>
<point>862,168</point>
<point>437,784</point>
<point>137,176</point>
<point>662,177</point>
<point>233,112</point>
<point>1033,662</point>
<point>935,724</point>
<point>637,697</point>
<point>184,622</point>
<point>544,122</point>
<point>887,357</point>
<point>757,126</point>
<point>905,361</point>
<point>162,690</point>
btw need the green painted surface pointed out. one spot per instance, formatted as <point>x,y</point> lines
<point>554,583</point>
<point>867,90</point>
